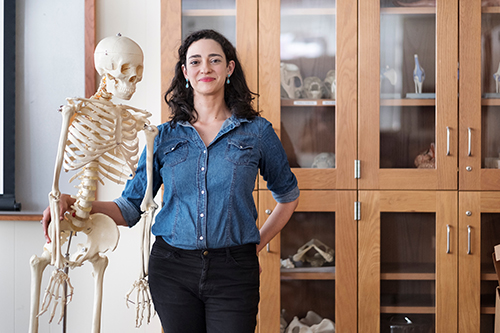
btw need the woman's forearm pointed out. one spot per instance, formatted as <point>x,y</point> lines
<point>276,221</point>
<point>110,209</point>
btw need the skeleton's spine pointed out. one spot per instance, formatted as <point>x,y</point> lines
<point>86,192</point>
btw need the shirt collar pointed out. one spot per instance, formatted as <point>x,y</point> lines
<point>228,124</point>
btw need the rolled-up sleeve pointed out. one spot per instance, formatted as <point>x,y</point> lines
<point>129,211</point>
<point>274,167</point>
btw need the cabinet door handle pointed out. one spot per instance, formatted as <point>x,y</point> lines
<point>469,231</point>
<point>447,140</point>
<point>448,227</point>
<point>268,247</point>
<point>469,133</point>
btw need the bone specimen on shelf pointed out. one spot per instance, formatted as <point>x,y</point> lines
<point>324,253</point>
<point>331,84</point>
<point>291,80</point>
<point>418,75</point>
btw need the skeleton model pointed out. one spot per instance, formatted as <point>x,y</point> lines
<point>98,138</point>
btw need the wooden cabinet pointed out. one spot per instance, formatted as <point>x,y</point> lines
<point>479,102</point>
<point>397,123</point>
<point>329,290</point>
<point>404,250</point>
<point>315,38</point>
<point>407,260</point>
<point>479,232</point>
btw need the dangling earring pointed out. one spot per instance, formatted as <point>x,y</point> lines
<point>228,75</point>
<point>187,83</point>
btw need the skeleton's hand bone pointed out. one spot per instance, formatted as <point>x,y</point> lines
<point>53,291</point>
<point>143,301</point>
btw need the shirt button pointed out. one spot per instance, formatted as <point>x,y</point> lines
<point>204,152</point>
<point>202,192</point>
<point>202,169</point>
<point>201,237</point>
<point>201,215</point>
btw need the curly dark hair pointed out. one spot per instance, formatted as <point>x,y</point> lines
<point>237,95</point>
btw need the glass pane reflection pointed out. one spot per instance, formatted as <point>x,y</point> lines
<point>407,84</point>
<point>408,267</point>
<point>308,283</point>
<point>219,15</point>
<point>308,82</point>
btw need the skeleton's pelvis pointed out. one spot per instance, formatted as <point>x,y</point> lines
<point>101,235</point>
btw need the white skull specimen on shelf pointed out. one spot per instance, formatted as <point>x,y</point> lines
<point>331,83</point>
<point>314,87</point>
<point>291,80</point>
<point>120,60</point>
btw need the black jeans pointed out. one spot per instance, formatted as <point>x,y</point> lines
<point>198,291</point>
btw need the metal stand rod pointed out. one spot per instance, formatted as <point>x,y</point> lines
<point>65,288</point>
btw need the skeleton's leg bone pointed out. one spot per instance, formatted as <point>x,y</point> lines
<point>99,262</point>
<point>38,265</point>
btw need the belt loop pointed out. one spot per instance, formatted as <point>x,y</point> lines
<point>228,254</point>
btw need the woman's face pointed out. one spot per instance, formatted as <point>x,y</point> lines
<point>207,68</point>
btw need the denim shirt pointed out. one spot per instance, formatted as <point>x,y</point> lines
<point>208,191</point>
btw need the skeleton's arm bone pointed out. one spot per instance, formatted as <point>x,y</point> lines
<point>148,205</point>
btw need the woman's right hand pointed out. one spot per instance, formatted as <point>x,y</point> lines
<point>65,203</point>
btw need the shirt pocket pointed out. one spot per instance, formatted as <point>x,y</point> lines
<point>239,152</point>
<point>175,152</point>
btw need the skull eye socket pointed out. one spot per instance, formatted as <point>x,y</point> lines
<point>126,69</point>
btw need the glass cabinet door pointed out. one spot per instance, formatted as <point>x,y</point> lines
<point>407,265</point>
<point>308,86</point>
<point>235,19</point>
<point>479,218</point>
<point>317,254</point>
<point>407,106</point>
<point>479,95</point>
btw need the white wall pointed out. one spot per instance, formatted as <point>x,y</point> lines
<point>50,68</point>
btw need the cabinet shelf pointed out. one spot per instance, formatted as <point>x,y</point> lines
<point>488,310</point>
<point>408,102</point>
<point>309,273</point>
<point>308,11</point>
<point>209,12</point>
<point>407,309</point>
<point>408,10</point>
<point>308,102</point>
<point>490,101</point>
<point>408,272</point>
<point>490,10</point>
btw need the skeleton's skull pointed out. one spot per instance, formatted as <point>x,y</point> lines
<point>120,60</point>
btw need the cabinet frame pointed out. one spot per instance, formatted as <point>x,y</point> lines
<point>444,176</point>
<point>342,176</point>
<point>342,203</point>
<point>444,205</point>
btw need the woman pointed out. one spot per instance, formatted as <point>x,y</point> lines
<point>203,270</point>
